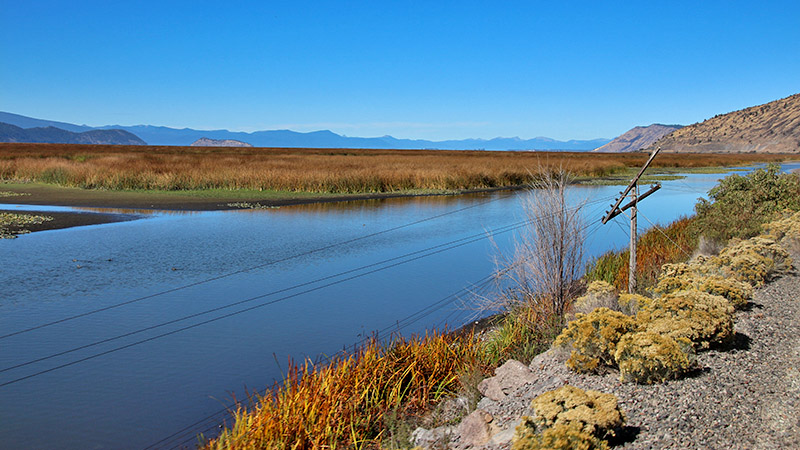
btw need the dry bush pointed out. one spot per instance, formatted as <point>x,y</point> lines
<point>593,338</point>
<point>648,358</point>
<point>703,318</point>
<point>546,264</point>
<point>593,412</point>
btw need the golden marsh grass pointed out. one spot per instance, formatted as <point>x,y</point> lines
<point>315,170</point>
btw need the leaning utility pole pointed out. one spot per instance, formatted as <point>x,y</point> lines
<point>633,189</point>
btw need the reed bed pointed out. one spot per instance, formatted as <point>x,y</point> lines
<point>348,402</point>
<point>314,170</point>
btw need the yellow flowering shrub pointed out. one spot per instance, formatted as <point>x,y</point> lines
<point>593,412</point>
<point>593,338</point>
<point>703,318</point>
<point>648,358</point>
<point>630,304</point>
<point>755,260</point>
<point>557,437</point>
<point>599,294</point>
<point>738,293</point>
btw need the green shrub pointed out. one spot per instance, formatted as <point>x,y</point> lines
<point>557,437</point>
<point>738,205</point>
<point>703,318</point>
<point>648,358</point>
<point>593,338</point>
<point>593,412</point>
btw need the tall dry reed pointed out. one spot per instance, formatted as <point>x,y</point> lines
<point>346,403</point>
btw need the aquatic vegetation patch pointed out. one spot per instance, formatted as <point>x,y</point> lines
<point>13,194</point>
<point>173,168</point>
<point>13,224</point>
<point>248,205</point>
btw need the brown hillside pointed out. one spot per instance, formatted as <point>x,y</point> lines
<point>773,127</point>
<point>637,138</point>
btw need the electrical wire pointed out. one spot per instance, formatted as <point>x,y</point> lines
<point>248,269</point>
<point>439,250</point>
<point>403,323</point>
<point>665,235</point>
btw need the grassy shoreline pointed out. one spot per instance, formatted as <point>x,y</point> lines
<point>294,173</point>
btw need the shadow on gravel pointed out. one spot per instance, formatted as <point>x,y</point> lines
<point>698,372</point>
<point>751,306</point>
<point>624,436</point>
<point>740,341</point>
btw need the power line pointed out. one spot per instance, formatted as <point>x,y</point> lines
<point>399,325</point>
<point>442,247</point>
<point>260,266</point>
<point>665,235</point>
<point>260,305</point>
<point>230,305</point>
<point>482,285</point>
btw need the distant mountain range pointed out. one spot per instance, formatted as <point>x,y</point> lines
<point>12,133</point>
<point>638,138</point>
<point>206,142</point>
<point>155,135</point>
<point>773,127</point>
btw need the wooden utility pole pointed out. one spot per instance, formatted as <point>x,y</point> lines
<point>634,236</point>
<point>633,190</point>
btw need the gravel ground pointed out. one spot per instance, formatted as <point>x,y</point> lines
<point>744,397</point>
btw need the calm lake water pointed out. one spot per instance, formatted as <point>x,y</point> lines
<point>136,396</point>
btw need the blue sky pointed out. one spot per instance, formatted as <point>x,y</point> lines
<point>428,70</point>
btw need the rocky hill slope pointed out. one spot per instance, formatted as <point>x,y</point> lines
<point>773,127</point>
<point>53,135</point>
<point>206,142</point>
<point>637,138</point>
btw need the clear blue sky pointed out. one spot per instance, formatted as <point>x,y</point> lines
<point>429,69</point>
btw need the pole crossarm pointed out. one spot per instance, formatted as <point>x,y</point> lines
<point>619,211</point>
<point>630,186</point>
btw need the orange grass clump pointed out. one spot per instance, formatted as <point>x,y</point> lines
<point>345,403</point>
<point>120,167</point>
<point>656,247</point>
